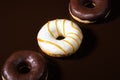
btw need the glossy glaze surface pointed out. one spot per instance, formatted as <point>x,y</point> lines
<point>24,65</point>
<point>97,59</point>
<point>90,10</point>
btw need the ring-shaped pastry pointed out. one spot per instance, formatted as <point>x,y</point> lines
<point>25,65</point>
<point>50,44</point>
<point>89,11</point>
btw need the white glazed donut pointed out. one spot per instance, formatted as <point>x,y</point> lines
<point>48,34</point>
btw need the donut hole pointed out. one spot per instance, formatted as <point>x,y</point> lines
<point>23,68</point>
<point>60,37</point>
<point>89,4</point>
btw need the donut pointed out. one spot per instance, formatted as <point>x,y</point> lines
<point>25,65</point>
<point>59,38</point>
<point>89,11</point>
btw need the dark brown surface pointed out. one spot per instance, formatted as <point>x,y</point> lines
<point>97,59</point>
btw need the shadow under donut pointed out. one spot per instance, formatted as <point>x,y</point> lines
<point>53,70</point>
<point>115,12</point>
<point>112,14</point>
<point>89,43</point>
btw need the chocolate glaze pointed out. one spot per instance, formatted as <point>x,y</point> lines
<point>91,10</point>
<point>24,65</point>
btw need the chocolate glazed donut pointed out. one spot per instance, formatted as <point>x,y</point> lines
<point>89,11</point>
<point>24,65</point>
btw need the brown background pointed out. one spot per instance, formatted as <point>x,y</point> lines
<point>98,57</point>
